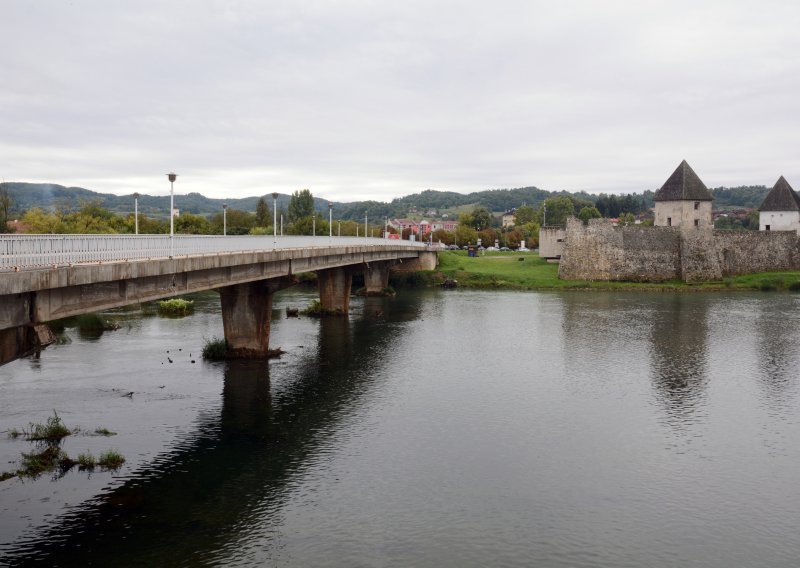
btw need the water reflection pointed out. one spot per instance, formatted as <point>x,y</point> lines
<point>777,351</point>
<point>233,474</point>
<point>679,357</point>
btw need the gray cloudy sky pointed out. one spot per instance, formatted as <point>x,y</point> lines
<point>375,100</point>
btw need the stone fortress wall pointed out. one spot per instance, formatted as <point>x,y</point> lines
<point>601,251</point>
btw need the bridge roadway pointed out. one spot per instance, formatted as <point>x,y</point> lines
<point>48,277</point>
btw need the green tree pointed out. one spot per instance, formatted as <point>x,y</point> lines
<point>524,214</point>
<point>301,204</point>
<point>588,213</point>
<point>465,235</point>
<point>626,219</point>
<point>481,218</point>
<point>189,224</point>
<point>558,209</point>
<point>5,205</point>
<point>263,218</point>
<point>238,222</point>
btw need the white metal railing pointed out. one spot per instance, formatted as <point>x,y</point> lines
<point>32,251</point>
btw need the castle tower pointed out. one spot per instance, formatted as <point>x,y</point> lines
<point>780,210</point>
<point>683,200</point>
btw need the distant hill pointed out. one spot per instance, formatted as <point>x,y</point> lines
<point>25,196</point>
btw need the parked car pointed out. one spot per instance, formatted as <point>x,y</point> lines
<point>504,248</point>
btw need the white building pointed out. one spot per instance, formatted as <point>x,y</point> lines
<point>683,200</point>
<point>780,210</point>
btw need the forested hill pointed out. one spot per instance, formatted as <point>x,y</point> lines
<point>25,196</point>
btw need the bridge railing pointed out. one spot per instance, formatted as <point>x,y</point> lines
<point>31,251</point>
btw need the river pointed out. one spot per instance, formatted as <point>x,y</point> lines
<point>436,428</point>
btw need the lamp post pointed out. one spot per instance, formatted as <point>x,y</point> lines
<point>171,177</point>
<point>136,212</point>
<point>314,224</point>
<point>365,225</point>
<point>224,219</point>
<point>275,218</point>
<point>385,227</point>
<point>330,220</point>
<point>544,216</point>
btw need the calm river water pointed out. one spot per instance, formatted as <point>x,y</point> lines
<point>436,428</point>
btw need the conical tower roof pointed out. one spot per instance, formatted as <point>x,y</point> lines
<point>683,185</point>
<point>781,198</point>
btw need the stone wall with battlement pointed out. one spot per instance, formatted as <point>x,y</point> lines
<point>601,251</point>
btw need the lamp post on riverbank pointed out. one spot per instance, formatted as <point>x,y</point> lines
<point>171,177</point>
<point>224,219</point>
<point>330,220</point>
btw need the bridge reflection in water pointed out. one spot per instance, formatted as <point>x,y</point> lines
<point>197,502</point>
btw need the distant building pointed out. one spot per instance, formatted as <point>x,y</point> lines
<point>422,227</point>
<point>780,210</point>
<point>508,218</point>
<point>683,200</point>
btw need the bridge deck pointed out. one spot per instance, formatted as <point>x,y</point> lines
<point>19,252</point>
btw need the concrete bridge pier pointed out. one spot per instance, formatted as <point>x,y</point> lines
<point>334,289</point>
<point>246,311</point>
<point>376,278</point>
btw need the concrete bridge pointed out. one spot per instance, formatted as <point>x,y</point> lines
<point>48,277</point>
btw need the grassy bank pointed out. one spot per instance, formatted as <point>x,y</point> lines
<point>526,271</point>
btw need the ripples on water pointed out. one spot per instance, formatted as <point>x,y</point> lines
<point>434,428</point>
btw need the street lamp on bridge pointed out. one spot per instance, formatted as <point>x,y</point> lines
<point>171,177</point>
<point>275,218</point>
<point>224,219</point>
<point>136,212</point>
<point>330,220</point>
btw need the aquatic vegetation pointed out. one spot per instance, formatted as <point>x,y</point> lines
<point>175,307</point>
<point>86,461</point>
<point>53,431</point>
<point>315,309</point>
<point>49,456</point>
<point>215,349</point>
<point>110,459</point>
<point>104,432</point>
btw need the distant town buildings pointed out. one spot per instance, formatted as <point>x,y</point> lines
<point>508,218</point>
<point>423,227</point>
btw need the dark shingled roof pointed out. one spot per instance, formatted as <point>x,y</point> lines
<point>781,198</point>
<point>682,185</point>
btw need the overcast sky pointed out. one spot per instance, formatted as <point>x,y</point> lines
<point>375,100</point>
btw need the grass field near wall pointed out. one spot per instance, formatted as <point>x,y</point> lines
<point>505,270</point>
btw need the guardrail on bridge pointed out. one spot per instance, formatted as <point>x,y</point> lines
<point>33,251</point>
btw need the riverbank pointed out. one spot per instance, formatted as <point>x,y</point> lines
<point>527,271</point>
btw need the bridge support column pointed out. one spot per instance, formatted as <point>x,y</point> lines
<point>334,290</point>
<point>246,311</point>
<point>376,278</point>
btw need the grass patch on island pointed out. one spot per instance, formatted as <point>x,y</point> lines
<point>175,307</point>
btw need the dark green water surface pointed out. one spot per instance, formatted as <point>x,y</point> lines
<point>436,428</point>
